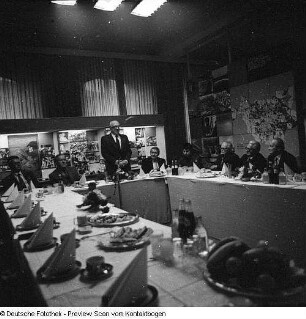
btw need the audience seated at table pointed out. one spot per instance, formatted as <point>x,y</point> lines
<point>280,158</point>
<point>189,156</point>
<point>253,159</point>
<point>67,174</point>
<point>22,179</point>
<point>227,157</point>
<point>153,162</point>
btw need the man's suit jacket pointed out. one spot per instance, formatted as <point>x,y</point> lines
<point>11,179</point>
<point>287,158</point>
<point>258,161</point>
<point>147,164</point>
<point>68,177</point>
<point>228,158</point>
<point>111,153</point>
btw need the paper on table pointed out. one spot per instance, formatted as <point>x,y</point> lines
<point>43,235</point>
<point>24,209</point>
<point>9,191</point>
<point>195,168</point>
<point>33,219</point>
<point>17,201</point>
<point>82,180</point>
<point>130,285</point>
<point>62,259</point>
<point>13,195</point>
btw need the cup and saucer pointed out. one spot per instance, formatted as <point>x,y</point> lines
<point>96,269</point>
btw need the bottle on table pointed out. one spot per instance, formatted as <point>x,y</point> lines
<point>265,176</point>
<point>177,251</point>
<point>174,167</point>
<point>275,175</point>
<point>201,232</point>
<point>181,220</point>
<point>270,172</point>
<point>190,222</point>
<point>168,169</point>
<point>282,180</point>
<point>175,223</point>
<point>61,186</point>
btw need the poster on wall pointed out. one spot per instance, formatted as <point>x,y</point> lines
<point>47,156</point>
<point>151,136</point>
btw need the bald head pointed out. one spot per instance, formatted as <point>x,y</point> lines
<point>277,146</point>
<point>253,148</point>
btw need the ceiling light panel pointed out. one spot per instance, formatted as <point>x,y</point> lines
<point>147,7</point>
<point>65,2</point>
<point>107,5</point>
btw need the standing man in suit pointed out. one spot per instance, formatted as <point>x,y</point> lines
<point>153,162</point>
<point>115,148</point>
<point>22,179</point>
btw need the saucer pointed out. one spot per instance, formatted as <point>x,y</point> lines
<point>106,272</point>
<point>69,274</point>
<point>41,247</point>
<point>150,300</point>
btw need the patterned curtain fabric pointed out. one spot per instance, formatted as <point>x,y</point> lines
<point>98,87</point>
<point>140,87</point>
<point>20,89</point>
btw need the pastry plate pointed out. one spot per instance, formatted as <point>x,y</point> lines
<point>281,294</point>
<point>71,273</point>
<point>157,174</point>
<point>105,220</point>
<point>106,272</point>
<point>41,247</point>
<point>106,245</point>
<point>206,176</point>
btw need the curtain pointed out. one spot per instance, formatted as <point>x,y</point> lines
<point>98,87</point>
<point>140,87</point>
<point>20,89</point>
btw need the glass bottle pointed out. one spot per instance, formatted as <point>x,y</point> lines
<point>169,170</point>
<point>282,177</point>
<point>175,168</point>
<point>177,251</point>
<point>202,235</point>
<point>61,187</point>
<point>270,173</point>
<point>190,222</point>
<point>275,175</point>
<point>181,221</point>
<point>265,176</point>
<point>175,223</point>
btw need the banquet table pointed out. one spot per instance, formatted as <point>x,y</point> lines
<point>251,211</point>
<point>177,286</point>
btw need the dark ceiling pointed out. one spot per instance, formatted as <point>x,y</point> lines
<point>208,31</point>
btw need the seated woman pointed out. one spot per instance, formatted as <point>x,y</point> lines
<point>189,157</point>
<point>67,174</point>
<point>153,162</point>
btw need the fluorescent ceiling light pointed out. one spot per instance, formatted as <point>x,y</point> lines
<point>65,2</point>
<point>146,7</point>
<point>107,5</point>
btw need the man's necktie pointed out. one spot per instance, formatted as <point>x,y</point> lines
<point>117,142</point>
<point>21,183</point>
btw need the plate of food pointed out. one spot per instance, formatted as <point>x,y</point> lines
<point>205,175</point>
<point>157,174</point>
<point>125,239</point>
<point>112,219</point>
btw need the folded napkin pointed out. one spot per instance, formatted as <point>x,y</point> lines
<point>62,259</point>
<point>32,186</point>
<point>141,172</point>
<point>33,219</point>
<point>25,208</point>
<point>131,285</point>
<point>17,202</point>
<point>163,169</point>
<point>13,195</point>
<point>224,170</point>
<point>43,235</point>
<point>82,180</point>
<point>195,168</point>
<point>9,191</point>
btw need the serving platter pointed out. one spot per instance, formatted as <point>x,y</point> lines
<point>206,176</point>
<point>112,219</point>
<point>107,244</point>
<point>250,293</point>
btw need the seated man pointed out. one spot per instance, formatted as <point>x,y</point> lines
<point>227,157</point>
<point>253,159</point>
<point>189,157</point>
<point>280,158</point>
<point>67,174</point>
<point>153,162</point>
<point>22,179</point>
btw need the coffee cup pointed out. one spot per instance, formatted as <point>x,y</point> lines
<point>81,220</point>
<point>94,265</point>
